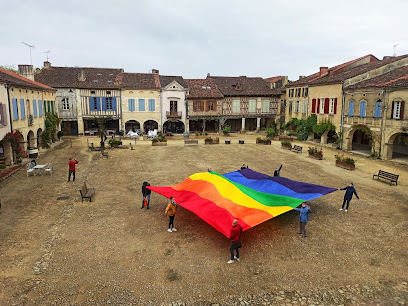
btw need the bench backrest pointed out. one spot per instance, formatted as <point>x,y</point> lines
<point>297,147</point>
<point>84,189</point>
<point>387,174</point>
<point>187,141</point>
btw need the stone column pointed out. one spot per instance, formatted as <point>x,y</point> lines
<point>258,124</point>
<point>323,139</point>
<point>243,125</point>
<point>188,125</point>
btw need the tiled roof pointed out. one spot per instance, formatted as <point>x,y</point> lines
<point>167,79</point>
<point>140,81</point>
<point>340,77</point>
<point>394,78</point>
<point>15,79</point>
<point>68,77</point>
<point>273,79</point>
<point>203,88</point>
<point>243,86</point>
<point>333,71</point>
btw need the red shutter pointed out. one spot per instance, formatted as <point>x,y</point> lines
<point>335,105</point>
<point>402,110</point>
<point>313,106</point>
<point>392,110</point>
<point>326,105</point>
<point>318,106</point>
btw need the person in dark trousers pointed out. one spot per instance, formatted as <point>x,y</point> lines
<point>304,218</point>
<point>120,134</point>
<point>209,170</point>
<point>277,171</point>
<point>171,211</point>
<point>71,163</point>
<point>235,237</point>
<point>244,167</point>
<point>348,196</point>
<point>146,194</point>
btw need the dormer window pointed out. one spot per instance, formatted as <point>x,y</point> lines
<point>95,81</point>
<point>206,87</point>
<point>99,74</point>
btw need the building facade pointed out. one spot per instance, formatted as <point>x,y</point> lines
<point>5,127</point>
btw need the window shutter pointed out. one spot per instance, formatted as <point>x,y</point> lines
<point>351,108</point>
<point>35,108</point>
<point>402,110</point>
<point>326,105</point>
<point>392,110</point>
<point>318,106</point>
<point>15,109</point>
<point>377,110</point>
<point>141,105</point>
<point>40,108</point>
<point>91,103</point>
<point>22,108</point>
<point>130,105</point>
<point>114,103</point>
<point>335,105</point>
<point>313,106</point>
<point>104,104</point>
<point>362,109</point>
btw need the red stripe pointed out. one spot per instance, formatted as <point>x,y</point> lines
<point>217,217</point>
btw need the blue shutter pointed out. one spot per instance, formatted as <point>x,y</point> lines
<point>104,104</point>
<point>15,109</point>
<point>377,113</point>
<point>130,105</point>
<point>351,108</point>
<point>35,108</point>
<point>362,109</point>
<point>91,103</point>
<point>22,108</point>
<point>141,105</point>
<point>98,103</point>
<point>151,105</point>
<point>40,109</point>
<point>114,103</point>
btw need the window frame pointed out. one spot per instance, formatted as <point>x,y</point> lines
<point>65,103</point>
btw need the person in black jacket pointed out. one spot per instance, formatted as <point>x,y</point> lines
<point>348,195</point>
<point>277,171</point>
<point>146,194</point>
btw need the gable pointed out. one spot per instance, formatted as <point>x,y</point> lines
<point>174,86</point>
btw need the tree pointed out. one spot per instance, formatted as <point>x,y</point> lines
<point>11,68</point>
<point>101,121</point>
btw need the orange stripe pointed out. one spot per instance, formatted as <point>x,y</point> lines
<point>206,190</point>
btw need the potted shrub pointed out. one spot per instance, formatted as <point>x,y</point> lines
<point>159,140</point>
<point>286,145</point>
<point>210,140</point>
<point>345,162</point>
<point>114,143</point>
<point>315,153</point>
<point>270,133</point>
<point>264,141</point>
<point>2,166</point>
<point>226,130</point>
<point>201,135</point>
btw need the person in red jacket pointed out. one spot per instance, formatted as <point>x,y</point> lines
<point>235,237</point>
<point>72,162</point>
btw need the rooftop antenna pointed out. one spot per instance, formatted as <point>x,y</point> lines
<point>395,49</point>
<point>48,53</point>
<point>30,46</point>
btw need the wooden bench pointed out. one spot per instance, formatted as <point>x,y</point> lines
<point>297,149</point>
<point>86,193</point>
<point>387,176</point>
<point>191,142</point>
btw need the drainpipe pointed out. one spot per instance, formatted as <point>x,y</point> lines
<point>343,102</point>
<point>9,107</point>
<point>383,109</point>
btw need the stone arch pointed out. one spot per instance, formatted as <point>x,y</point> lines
<point>39,134</point>
<point>132,125</point>
<point>173,126</point>
<point>31,140</point>
<point>397,146</point>
<point>150,125</point>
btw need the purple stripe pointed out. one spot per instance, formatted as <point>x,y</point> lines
<point>296,186</point>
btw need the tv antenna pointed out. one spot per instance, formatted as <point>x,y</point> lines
<point>48,53</point>
<point>395,49</point>
<point>31,47</point>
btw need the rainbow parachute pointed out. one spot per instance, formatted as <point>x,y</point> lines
<point>246,195</point>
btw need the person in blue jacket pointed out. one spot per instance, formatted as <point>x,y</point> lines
<point>348,195</point>
<point>304,218</point>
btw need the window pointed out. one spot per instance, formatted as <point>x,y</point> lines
<point>92,92</point>
<point>290,106</point>
<point>265,106</point>
<point>40,108</point>
<point>363,109</point>
<point>35,108</point>
<point>109,103</point>
<point>52,107</point>
<point>3,116</point>
<point>304,107</point>
<point>331,109</point>
<point>321,110</point>
<point>196,106</point>
<point>173,106</point>
<point>377,110</point>
<point>15,109</point>
<point>398,110</point>
<point>251,106</point>
<point>206,87</point>
<point>65,104</point>
<point>94,103</point>
<point>297,107</point>
<point>236,104</point>
<point>211,106</point>
<point>108,92</point>
<point>142,105</point>
<point>151,105</point>
<point>306,92</point>
<point>22,108</point>
<point>131,104</point>
<point>351,108</point>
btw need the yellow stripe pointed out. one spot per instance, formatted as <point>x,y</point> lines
<point>233,193</point>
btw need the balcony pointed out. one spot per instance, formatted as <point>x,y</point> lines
<point>371,121</point>
<point>173,115</point>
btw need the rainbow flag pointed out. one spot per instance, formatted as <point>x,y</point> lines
<point>246,195</point>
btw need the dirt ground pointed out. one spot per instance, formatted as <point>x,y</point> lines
<point>68,252</point>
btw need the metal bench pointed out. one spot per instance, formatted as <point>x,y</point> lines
<point>387,176</point>
<point>297,149</point>
<point>191,142</point>
<point>86,193</point>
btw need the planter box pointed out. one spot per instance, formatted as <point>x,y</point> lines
<point>227,141</point>
<point>241,141</point>
<point>211,142</point>
<point>287,148</point>
<point>315,156</point>
<point>158,144</point>
<point>345,166</point>
<point>114,145</point>
<point>269,142</point>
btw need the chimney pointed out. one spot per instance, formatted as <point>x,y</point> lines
<point>26,71</point>
<point>155,71</point>
<point>81,75</point>
<point>324,70</point>
<point>208,75</point>
<point>331,72</point>
<point>284,80</point>
<point>301,77</point>
<point>47,64</point>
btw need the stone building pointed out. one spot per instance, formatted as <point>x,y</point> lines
<point>279,82</point>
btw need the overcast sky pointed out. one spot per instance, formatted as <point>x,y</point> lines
<point>192,38</point>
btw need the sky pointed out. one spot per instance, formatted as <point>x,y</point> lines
<point>192,38</point>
